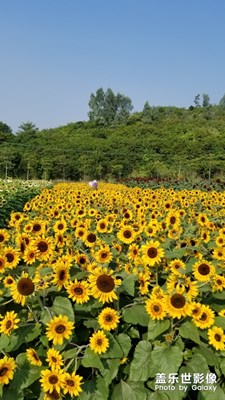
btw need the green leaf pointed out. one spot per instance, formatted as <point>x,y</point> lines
<point>124,342</point>
<point>4,341</point>
<point>91,323</point>
<point>114,350</point>
<point>220,322</point>
<point>198,363</point>
<point>219,295</point>
<point>25,373</point>
<point>210,395</point>
<point>157,396</point>
<point>91,359</point>
<point>33,333</point>
<point>128,284</point>
<point>72,353</point>
<point>63,306</point>
<point>176,253</point>
<point>166,359</point>
<point>222,366</point>
<point>110,369</point>
<point>9,394</point>
<point>141,364</point>
<point>136,315</point>
<point>102,390</point>
<point>134,333</point>
<point>188,330</point>
<point>129,391</point>
<point>209,355</point>
<point>155,328</point>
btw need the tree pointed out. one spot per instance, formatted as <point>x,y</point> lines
<point>5,132</point>
<point>205,100</point>
<point>222,101</point>
<point>197,100</point>
<point>28,129</point>
<point>107,108</point>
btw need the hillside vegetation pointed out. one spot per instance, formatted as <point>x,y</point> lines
<point>159,142</point>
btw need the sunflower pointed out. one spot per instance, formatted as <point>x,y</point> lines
<point>102,226</point>
<point>7,368</point>
<point>8,281</point>
<point>203,270</point>
<point>72,384</point>
<point>219,253</point>
<point>182,284</point>
<point>155,308</point>
<point>218,283</point>
<point>173,219</point>
<point>90,239</point>
<point>22,288</point>
<point>103,255</point>
<point>12,257</point>
<point>217,338</point>
<point>30,254</point>
<point>38,227</point>
<point>4,236</point>
<point>54,359</point>
<point>126,234</point>
<point>99,343</point>
<point>9,323</point>
<point>60,226</point>
<point>80,233</point>
<point>60,274</point>
<point>52,380</point>
<point>177,266</point>
<point>151,253</point>
<point>205,319</point>
<point>3,262</point>
<point>45,247</point>
<point>33,357</point>
<point>102,284</point>
<point>78,291</point>
<point>222,313</point>
<point>177,305</point>
<point>59,328</point>
<point>133,251</point>
<point>82,260</point>
<point>108,319</point>
<point>54,395</point>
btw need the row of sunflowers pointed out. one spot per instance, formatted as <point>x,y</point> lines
<point>15,192</point>
<point>105,293</point>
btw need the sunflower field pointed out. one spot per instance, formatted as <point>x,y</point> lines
<point>115,293</point>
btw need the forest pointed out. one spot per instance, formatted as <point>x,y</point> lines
<point>159,141</point>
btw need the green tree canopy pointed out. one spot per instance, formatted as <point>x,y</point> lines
<point>107,108</point>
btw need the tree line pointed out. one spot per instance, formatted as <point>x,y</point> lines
<point>117,142</point>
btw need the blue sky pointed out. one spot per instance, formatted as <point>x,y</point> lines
<point>55,53</point>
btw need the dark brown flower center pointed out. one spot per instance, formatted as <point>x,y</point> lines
<point>54,359</point>
<point>172,220</point>
<point>25,286</point>
<point>3,371</point>
<point>105,283</point>
<point>60,226</point>
<point>178,301</point>
<point>78,290</point>
<point>36,227</point>
<point>102,225</point>
<point>53,379</point>
<point>2,237</point>
<point>62,274</point>
<point>152,252</point>
<point>204,269</point>
<point>217,337</point>
<point>127,234</point>
<point>42,246</point>
<point>60,328</point>
<point>104,255</point>
<point>10,257</point>
<point>8,324</point>
<point>203,317</point>
<point>99,342</point>
<point>108,318</point>
<point>91,237</point>
<point>54,395</point>
<point>156,308</point>
<point>70,382</point>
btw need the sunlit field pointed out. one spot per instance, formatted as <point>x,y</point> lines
<point>114,293</point>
